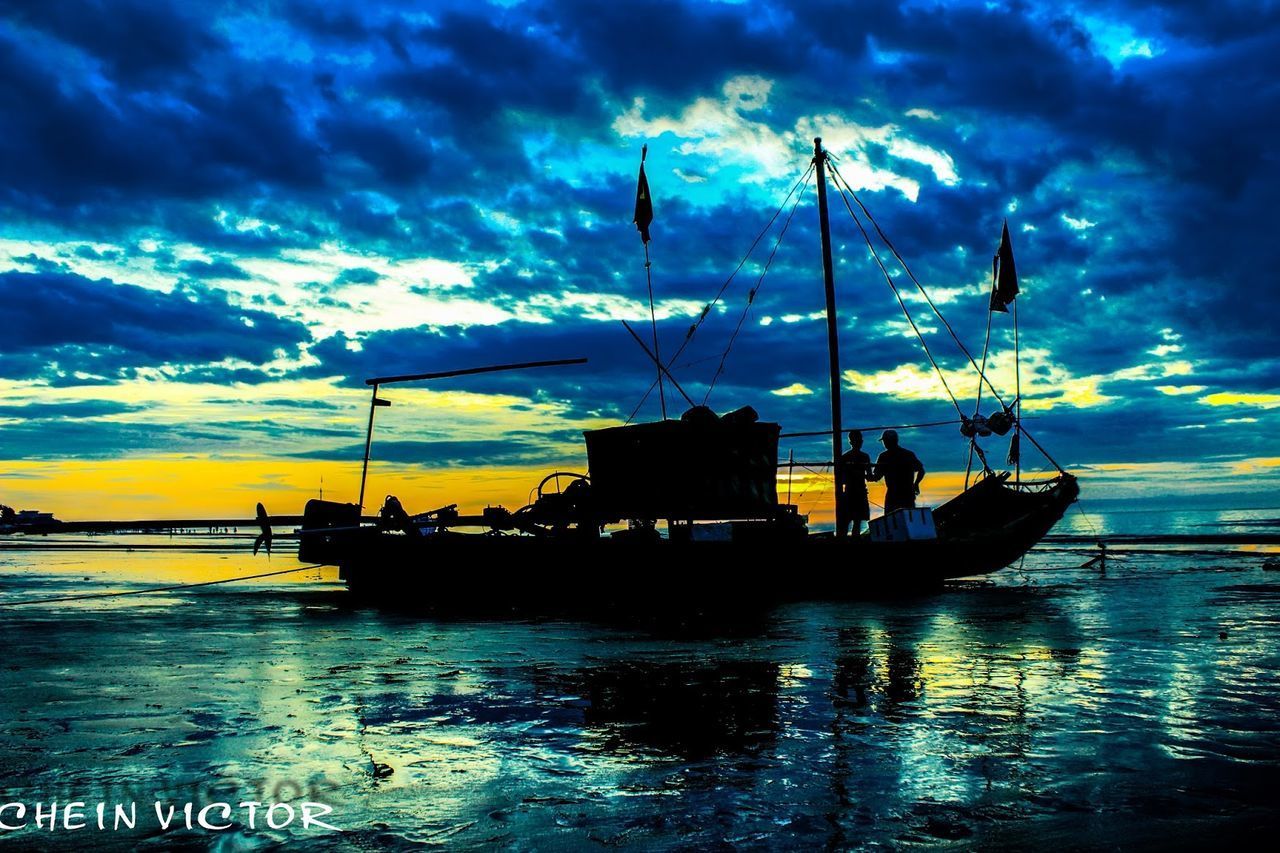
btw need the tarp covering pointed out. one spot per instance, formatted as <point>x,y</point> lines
<point>699,467</point>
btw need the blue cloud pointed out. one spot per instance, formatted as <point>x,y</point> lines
<point>212,269</point>
<point>446,453</point>
<point>486,137</point>
<point>78,410</point>
<point>358,275</point>
<point>61,323</point>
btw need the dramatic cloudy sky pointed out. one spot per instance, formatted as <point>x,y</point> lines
<point>217,219</point>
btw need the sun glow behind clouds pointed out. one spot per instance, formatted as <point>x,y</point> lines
<point>734,129</point>
<point>1046,383</point>
<point>1228,398</point>
<point>1119,42</point>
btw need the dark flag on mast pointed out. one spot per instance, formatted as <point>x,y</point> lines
<point>1004,273</point>
<point>644,202</point>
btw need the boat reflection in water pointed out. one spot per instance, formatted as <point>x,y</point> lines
<point>694,710</point>
<point>992,715</point>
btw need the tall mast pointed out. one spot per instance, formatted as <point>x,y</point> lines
<point>833,341</point>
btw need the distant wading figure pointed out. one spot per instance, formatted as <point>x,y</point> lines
<point>901,472</point>
<point>856,466</point>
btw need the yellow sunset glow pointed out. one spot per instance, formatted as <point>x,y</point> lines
<point>1255,466</point>
<point>186,487</point>
<point>1228,398</point>
<point>203,487</point>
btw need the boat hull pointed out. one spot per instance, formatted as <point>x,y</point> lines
<point>490,573</point>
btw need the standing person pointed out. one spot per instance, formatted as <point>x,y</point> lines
<point>856,465</point>
<point>901,471</point>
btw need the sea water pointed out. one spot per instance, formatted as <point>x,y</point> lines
<point>1132,706</point>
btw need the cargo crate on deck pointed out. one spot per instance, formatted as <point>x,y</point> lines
<point>903,525</point>
<point>699,467</point>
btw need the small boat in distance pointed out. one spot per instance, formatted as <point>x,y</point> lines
<point>569,549</point>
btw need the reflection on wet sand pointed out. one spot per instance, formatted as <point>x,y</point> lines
<point>1135,709</point>
<point>689,710</point>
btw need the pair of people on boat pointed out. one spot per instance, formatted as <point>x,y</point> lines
<point>900,469</point>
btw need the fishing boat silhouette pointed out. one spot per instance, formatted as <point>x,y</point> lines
<point>716,534</point>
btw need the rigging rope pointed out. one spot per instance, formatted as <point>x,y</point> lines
<point>982,371</point>
<point>751,294</point>
<point>654,384</point>
<point>636,410</point>
<point>87,596</point>
<point>818,476</point>
<point>889,279</point>
<point>842,186</point>
<point>827,432</point>
<point>982,457</point>
<point>706,309</point>
<point>982,375</point>
<point>1044,452</point>
<point>917,283</point>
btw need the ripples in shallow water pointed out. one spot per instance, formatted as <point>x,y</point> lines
<point>1132,708</point>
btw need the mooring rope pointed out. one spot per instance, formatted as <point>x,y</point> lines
<point>87,596</point>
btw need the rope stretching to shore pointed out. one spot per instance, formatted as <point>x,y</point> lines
<point>87,596</point>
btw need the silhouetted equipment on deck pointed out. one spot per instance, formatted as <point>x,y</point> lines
<point>699,467</point>
<point>376,402</point>
<point>324,524</point>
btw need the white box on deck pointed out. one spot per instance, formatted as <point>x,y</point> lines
<point>903,525</point>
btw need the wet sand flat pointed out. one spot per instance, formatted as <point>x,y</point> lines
<point>1135,709</point>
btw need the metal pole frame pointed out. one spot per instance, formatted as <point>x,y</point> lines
<point>417,377</point>
<point>368,443</point>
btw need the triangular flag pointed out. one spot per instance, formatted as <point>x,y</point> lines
<point>1005,274</point>
<point>644,201</point>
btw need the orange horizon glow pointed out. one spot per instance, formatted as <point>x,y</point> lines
<point>189,487</point>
